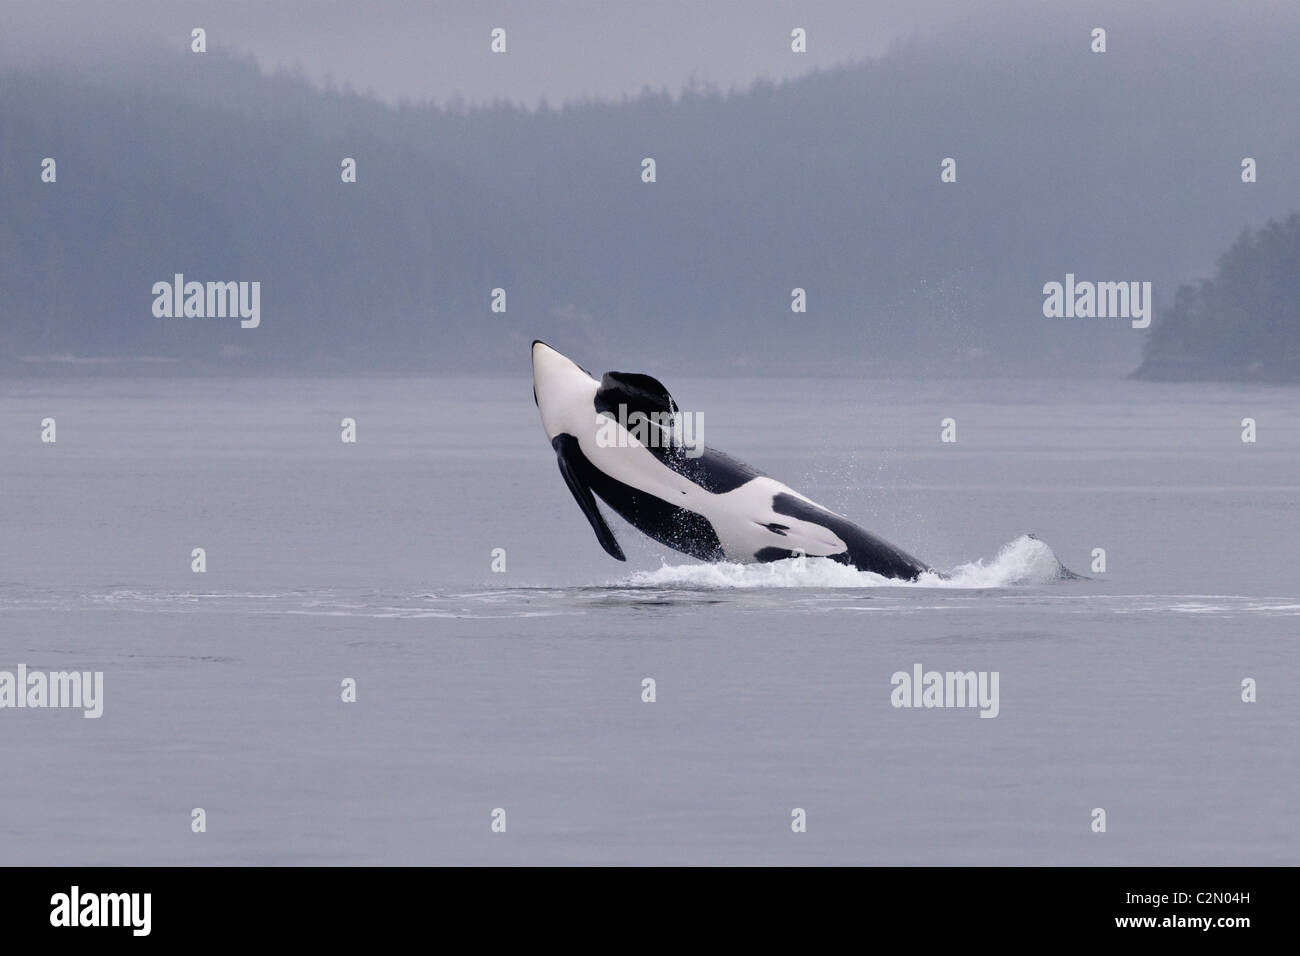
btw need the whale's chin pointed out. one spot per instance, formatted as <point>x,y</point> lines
<point>562,391</point>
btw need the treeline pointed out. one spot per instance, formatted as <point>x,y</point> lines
<point>1123,166</point>
<point>1244,323</point>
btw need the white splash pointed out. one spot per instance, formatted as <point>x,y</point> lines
<point>1024,561</point>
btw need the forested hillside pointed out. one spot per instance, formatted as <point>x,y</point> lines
<point>1123,166</point>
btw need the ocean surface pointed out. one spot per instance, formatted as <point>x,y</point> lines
<point>522,689</point>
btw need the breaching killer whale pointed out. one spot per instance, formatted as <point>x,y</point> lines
<point>696,500</point>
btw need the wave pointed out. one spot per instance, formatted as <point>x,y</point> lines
<point>1024,561</point>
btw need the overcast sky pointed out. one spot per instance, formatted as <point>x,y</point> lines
<point>432,49</point>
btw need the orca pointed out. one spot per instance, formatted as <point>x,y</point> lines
<point>691,498</point>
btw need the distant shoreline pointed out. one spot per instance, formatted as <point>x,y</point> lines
<point>1194,370</point>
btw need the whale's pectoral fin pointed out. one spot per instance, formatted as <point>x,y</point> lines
<point>635,392</point>
<point>572,473</point>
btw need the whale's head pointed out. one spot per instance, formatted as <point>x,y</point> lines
<point>563,390</point>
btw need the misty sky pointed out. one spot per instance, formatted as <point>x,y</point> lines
<point>433,49</point>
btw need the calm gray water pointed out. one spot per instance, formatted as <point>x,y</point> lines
<point>522,690</point>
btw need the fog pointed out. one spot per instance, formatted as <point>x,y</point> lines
<point>221,167</point>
